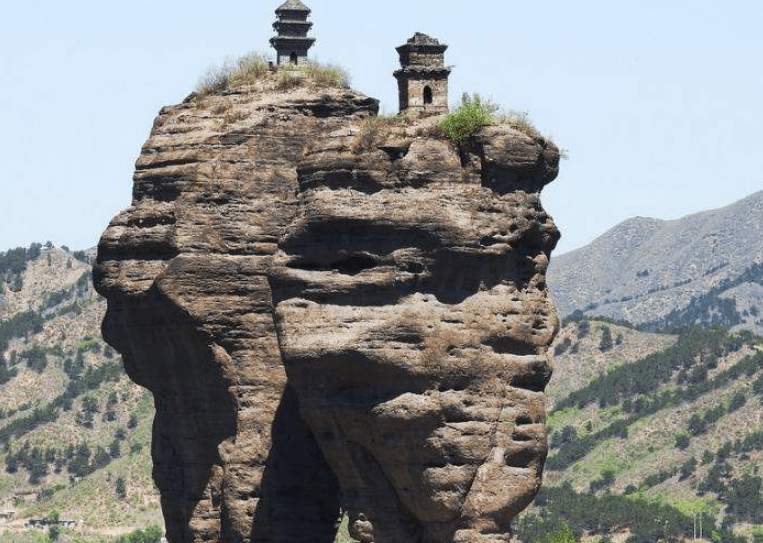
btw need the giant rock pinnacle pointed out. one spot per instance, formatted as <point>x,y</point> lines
<point>335,316</point>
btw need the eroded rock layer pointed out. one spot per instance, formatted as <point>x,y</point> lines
<point>335,316</point>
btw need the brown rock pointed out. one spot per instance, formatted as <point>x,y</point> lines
<point>331,318</point>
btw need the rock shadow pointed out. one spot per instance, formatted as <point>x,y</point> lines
<point>164,351</point>
<point>301,495</point>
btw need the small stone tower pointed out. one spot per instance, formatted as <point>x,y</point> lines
<point>292,42</point>
<point>423,77</point>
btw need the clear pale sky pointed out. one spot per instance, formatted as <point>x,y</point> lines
<point>660,103</point>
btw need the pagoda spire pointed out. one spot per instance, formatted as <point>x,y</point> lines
<point>292,42</point>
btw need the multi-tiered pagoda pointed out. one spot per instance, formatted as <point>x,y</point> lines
<point>292,42</point>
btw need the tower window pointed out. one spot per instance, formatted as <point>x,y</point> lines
<point>294,57</point>
<point>427,95</point>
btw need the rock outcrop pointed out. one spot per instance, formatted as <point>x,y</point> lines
<point>334,315</point>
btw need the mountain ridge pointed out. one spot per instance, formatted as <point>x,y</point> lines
<point>644,269</point>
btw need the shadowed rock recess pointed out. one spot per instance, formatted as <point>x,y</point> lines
<point>334,317</point>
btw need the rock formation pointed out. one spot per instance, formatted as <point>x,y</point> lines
<point>332,314</point>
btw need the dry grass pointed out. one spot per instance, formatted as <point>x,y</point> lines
<point>519,121</point>
<point>255,67</point>
<point>248,68</point>
<point>382,128</point>
<point>374,130</point>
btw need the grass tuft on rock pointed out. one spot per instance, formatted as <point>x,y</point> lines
<point>256,68</point>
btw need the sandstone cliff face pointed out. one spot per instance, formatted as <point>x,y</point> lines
<point>331,317</point>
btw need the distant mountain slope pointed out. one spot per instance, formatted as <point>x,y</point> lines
<point>75,432</point>
<point>648,431</point>
<point>706,268</point>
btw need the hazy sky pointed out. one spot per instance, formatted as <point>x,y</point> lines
<point>660,103</point>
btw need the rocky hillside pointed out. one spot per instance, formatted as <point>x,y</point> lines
<point>648,432</point>
<point>706,269</point>
<point>74,431</point>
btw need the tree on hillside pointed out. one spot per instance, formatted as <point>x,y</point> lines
<point>687,468</point>
<point>562,347</point>
<point>737,401</point>
<point>606,342</point>
<point>6,374</point>
<point>682,440</point>
<point>90,404</point>
<point>55,530</point>
<point>114,449</point>
<point>11,464</point>
<point>37,466</point>
<point>152,534</point>
<point>121,487</point>
<point>101,459</point>
<point>743,498</point>
<point>80,462</point>
<point>563,534</point>
<point>696,424</point>
<point>36,358</point>
<point>583,328</point>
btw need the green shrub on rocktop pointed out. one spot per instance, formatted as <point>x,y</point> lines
<point>471,115</point>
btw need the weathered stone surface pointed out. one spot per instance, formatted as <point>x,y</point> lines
<point>330,318</point>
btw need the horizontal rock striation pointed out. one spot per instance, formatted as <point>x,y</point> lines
<point>333,316</point>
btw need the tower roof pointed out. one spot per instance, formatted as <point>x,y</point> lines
<point>419,38</point>
<point>293,5</point>
<point>421,43</point>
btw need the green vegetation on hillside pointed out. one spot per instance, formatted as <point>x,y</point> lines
<point>92,379</point>
<point>710,308</point>
<point>560,507</point>
<point>19,325</point>
<point>152,534</point>
<point>57,534</point>
<point>74,435</point>
<point>14,262</point>
<point>655,431</point>
<point>636,388</point>
<point>688,362</point>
